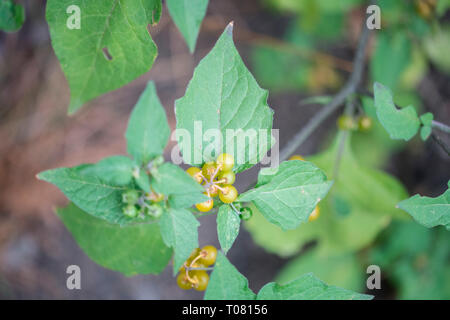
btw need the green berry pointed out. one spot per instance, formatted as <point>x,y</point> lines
<point>130,197</point>
<point>130,211</point>
<point>246,213</point>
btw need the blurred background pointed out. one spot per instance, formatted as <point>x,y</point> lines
<point>294,48</point>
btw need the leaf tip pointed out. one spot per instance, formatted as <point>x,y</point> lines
<point>229,29</point>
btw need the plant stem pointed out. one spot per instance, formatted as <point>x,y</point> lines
<point>440,126</point>
<point>441,143</point>
<point>349,88</point>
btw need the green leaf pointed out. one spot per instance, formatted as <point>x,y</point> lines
<point>116,170</point>
<point>148,131</point>
<point>400,124</point>
<point>427,119</point>
<point>118,26</point>
<point>90,193</point>
<point>339,270</point>
<point>334,232</point>
<point>228,224</point>
<point>429,212</point>
<point>142,180</point>
<point>179,231</point>
<point>287,195</point>
<point>307,287</point>
<point>12,16</point>
<point>131,250</point>
<point>226,283</point>
<point>172,181</point>
<point>425,132</point>
<point>391,57</point>
<point>223,95</point>
<point>436,45</point>
<point>188,16</point>
<point>415,260</point>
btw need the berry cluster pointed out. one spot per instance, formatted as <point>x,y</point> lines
<point>217,178</point>
<point>193,273</point>
<point>362,123</point>
<point>138,203</point>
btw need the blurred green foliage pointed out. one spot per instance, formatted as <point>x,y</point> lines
<point>359,224</point>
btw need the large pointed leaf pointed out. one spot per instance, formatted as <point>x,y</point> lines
<point>179,231</point>
<point>223,95</point>
<point>133,249</point>
<point>429,212</point>
<point>118,27</point>
<point>287,195</point>
<point>307,287</point>
<point>399,123</point>
<point>148,131</point>
<point>188,16</point>
<point>117,170</point>
<point>90,193</point>
<point>226,283</point>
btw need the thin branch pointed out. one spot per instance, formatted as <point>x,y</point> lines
<point>440,126</point>
<point>349,88</point>
<point>441,143</point>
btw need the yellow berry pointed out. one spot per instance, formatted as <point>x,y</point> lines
<point>208,170</point>
<point>205,206</point>
<point>229,194</point>
<point>201,279</point>
<point>225,161</point>
<point>228,176</point>
<point>297,157</point>
<point>195,173</point>
<point>315,214</point>
<point>208,255</point>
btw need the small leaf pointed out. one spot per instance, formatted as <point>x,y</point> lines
<point>142,180</point>
<point>429,212</point>
<point>12,16</point>
<point>172,181</point>
<point>288,194</point>
<point>307,287</point>
<point>228,224</point>
<point>131,250</point>
<point>400,124</point>
<point>427,119</point>
<point>118,26</point>
<point>116,170</point>
<point>89,193</point>
<point>425,132</point>
<point>188,16</point>
<point>179,231</point>
<point>223,95</point>
<point>148,131</point>
<point>186,200</point>
<point>226,283</point>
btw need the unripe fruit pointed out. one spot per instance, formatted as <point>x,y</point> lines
<point>225,161</point>
<point>130,211</point>
<point>201,279</point>
<point>228,176</point>
<point>208,170</point>
<point>212,191</point>
<point>365,123</point>
<point>183,282</point>
<point>130,196</point>
<point>346,123</point>
<point>195,172</point>
<point>208,255</point>
<point>297,157</point>
<point>228,195</point>
<point>205,206</point>
<point>246,213</point>
<point>315,214</point>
